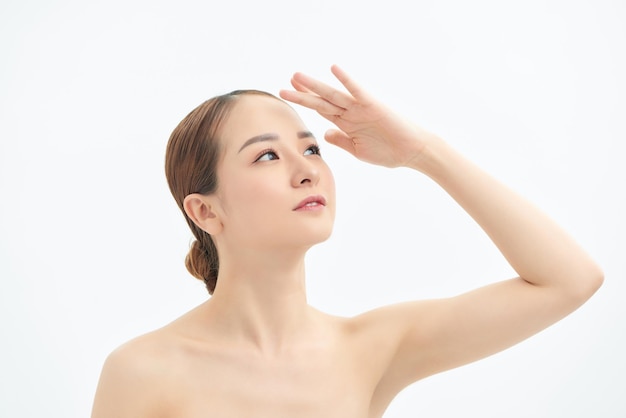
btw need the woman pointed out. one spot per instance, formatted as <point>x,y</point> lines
<point>257,195</point>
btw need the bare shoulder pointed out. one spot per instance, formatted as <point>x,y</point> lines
<point>382,328</point>
<point>134,378</point>
<point>143,357</point>
<point>381,323</point>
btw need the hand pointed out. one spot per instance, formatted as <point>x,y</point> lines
<point>367,129</point>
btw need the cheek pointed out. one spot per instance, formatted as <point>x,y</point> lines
<point>329,186</point>
<point>247,198</point>
<point>329,179</point>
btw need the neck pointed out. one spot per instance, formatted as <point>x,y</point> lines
<point>260,298</point>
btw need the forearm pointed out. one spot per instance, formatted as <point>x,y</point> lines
<point>535,246</point>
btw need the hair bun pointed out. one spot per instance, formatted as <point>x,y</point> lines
<point>202,263</point>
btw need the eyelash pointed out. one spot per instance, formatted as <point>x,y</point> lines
<point>315,148</point>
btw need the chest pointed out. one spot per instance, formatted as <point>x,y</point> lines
<point>300,385</point>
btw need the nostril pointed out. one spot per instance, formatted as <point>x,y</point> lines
<point>304,181</point>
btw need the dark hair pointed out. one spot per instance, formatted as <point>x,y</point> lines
<point>191,158</point>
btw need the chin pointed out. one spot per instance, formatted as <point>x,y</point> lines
<point>297,234</point>
<point>318,235</point>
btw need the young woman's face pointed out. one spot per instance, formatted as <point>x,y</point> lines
<point>274,188</point>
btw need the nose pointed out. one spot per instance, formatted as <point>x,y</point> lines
<point>305,173</point>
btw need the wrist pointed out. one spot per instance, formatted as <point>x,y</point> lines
<point>430,157</point>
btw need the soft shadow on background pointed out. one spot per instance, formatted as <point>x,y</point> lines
<point>92,244</point>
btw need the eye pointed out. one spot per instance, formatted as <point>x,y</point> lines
<point>313,150</point>
<point>267,155</point>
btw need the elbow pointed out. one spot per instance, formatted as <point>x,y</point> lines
<point>588,283</point>
<point>597,280</point>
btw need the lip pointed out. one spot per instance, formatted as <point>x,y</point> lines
<point>311,203</point>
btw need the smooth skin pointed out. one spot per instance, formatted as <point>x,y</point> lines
<point>257,349</point>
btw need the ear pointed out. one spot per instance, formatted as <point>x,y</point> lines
<point>199,209</point>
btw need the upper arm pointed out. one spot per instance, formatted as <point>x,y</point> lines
<point>431,336</point>
<point>127,386</point>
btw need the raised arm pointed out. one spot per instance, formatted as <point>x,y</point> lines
<point>555,275</point>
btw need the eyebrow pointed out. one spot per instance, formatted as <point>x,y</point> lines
<point>272,137</point>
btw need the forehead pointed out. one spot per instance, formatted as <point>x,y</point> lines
<point>255,115</point>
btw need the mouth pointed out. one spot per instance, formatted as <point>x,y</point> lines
<point>311,202</point>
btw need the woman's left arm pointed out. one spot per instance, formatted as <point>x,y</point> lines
<point>556,275</point>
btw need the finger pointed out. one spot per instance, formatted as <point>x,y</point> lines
<point>313,102</point>
<point>355,90</point>
<point>300,87</point>
<point>329,93</point>
<point>340,139</point>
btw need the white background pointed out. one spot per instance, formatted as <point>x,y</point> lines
<point>92,244</point>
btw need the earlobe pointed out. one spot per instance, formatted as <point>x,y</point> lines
<point>199,210</point>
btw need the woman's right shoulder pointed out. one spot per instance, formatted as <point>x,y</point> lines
<point>140,354</point>
<point>134,377</point>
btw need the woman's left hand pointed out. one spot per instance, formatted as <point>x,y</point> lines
<point>367,129</point>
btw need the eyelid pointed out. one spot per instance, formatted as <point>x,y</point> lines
<point>316,148</point>
<point>264,152</point>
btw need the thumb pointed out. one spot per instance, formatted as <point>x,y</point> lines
<point>340,139</point>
